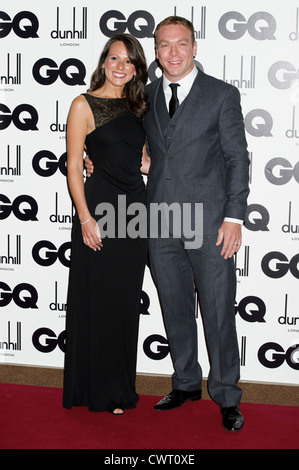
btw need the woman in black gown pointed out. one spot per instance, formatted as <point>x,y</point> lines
<point>106,273</point>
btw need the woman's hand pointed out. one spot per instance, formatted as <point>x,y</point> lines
<point>91,234</point>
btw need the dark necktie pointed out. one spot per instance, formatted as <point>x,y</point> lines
<point>174,102</point>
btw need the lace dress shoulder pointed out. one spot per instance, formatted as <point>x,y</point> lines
<point>106,109</point>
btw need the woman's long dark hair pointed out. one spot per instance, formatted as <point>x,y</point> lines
<point>134,90</point>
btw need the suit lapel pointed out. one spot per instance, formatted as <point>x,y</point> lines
<point>161,116</point>
<point>189,107</point>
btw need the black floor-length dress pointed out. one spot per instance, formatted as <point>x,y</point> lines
<point>103,303</point>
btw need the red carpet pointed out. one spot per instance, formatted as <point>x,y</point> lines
<point>33,418</point>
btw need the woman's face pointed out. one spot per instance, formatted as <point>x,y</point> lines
<point>118,68</point>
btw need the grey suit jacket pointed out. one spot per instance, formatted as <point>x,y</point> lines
<point>201,154</point>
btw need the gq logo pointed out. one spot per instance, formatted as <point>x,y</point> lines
<point>251,309</point>
<point>282,265</point>
<point>278,355</point>
<point>285,173</point>
<point>162,349</point>
<point>141,31</point>
<point>24,32</point>
<point>64,71</point>
<point>51,163</point>
<point>144,303</point>
<point>258,129</point>
<point>15,207</point>
<point>25,124</point>
<point>51,253</point>
<point>257,218</point>
<point>240,27</point>
<point>51,341</point>
<point>23,301</point>
<point>282,75</point>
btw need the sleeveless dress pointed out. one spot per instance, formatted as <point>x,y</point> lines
<point>104,292</point>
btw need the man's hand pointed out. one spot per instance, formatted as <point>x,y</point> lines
<point>230,234</point>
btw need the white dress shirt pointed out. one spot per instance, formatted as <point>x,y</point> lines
<point>184,88</point>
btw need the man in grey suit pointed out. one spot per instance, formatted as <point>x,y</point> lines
<point>198,154</point>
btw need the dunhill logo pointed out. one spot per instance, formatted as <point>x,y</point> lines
<point>293,133</point>
<point>8,258</point>
<point>289,227</point>
<point>244,272</point>
<point>243,351</point>
<point>250,156</point>
<point>60,218</point>
<point>241,82</point>
<point>71,33</point>
<point>294,35</point>
<point>55,126</point>
<point>285,319</point>
<point>9,79</point>
<point>9,170</point>
<point>56,305</point>
<point>201,33</point>
<point>8,344</point>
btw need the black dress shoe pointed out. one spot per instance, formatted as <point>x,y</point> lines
<point>177,398</point>
<point>232,418</point>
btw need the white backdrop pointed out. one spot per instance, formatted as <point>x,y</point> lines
<point>47,54</point>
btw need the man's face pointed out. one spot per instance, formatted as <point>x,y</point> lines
<point>175,51</point>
